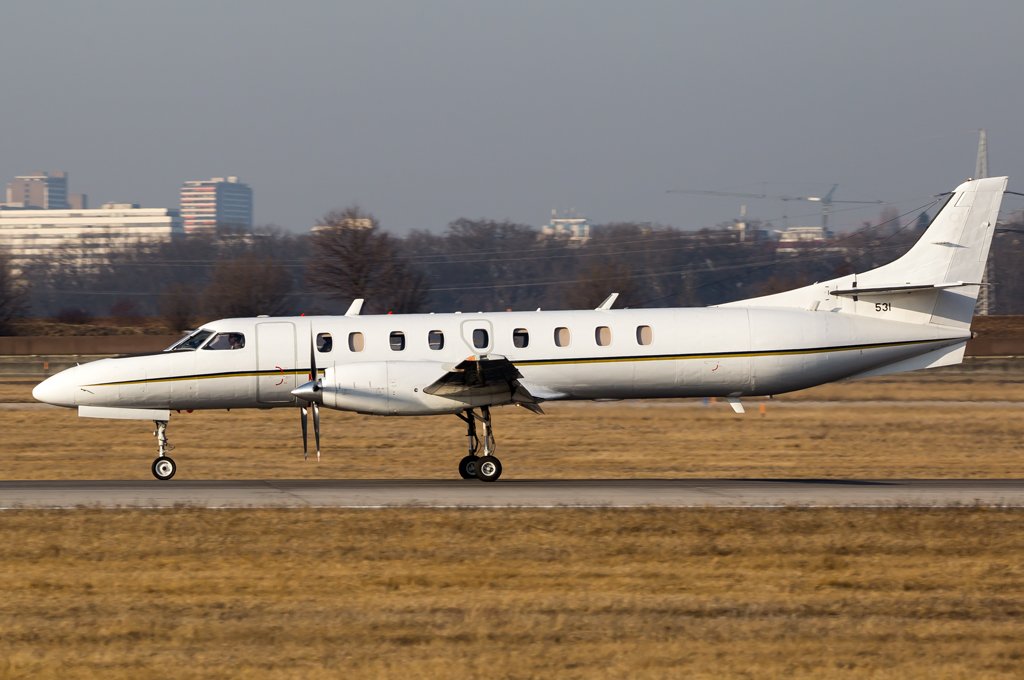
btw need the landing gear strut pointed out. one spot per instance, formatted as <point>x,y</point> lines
<point>486,468</point>
<point>164,466</point>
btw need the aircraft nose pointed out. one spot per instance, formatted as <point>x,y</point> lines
<point>58,389</point>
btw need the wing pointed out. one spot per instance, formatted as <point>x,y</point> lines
<point>491,377</point>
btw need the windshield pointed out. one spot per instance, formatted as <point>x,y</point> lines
<point>226,341</point>
<point>191,341</point>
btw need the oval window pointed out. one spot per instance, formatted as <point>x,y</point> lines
<point>644,335</point>
<point>562,336</point>
<point>355,342</point>
<point>435,339</point>
<point>603,336</point>
<point>397,341</point>
<point>521,337</point>
<point>481,338</point>
<point>324,342</point>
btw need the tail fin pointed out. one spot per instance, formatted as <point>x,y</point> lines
<point>936,281</point>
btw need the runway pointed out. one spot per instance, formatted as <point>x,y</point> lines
<point>664,493</point>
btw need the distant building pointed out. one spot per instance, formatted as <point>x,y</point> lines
<point>795,240</point>
<point>217,202</point>
<point>575,230</point>
<point>83,237</point>
<point>353,223</point>
<point>43,191</point>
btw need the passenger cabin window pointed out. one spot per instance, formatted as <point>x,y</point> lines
<point>481,338</point>
<point>562,336</point>
<point>226,341</point>
<point>324,342</point>
<point>521,337</point>
<point>603,336</point>
<point>355,342</point>
<point>644,335</point>
<point>192,341</point>
<point>435,339</point>
<point>397,341</point>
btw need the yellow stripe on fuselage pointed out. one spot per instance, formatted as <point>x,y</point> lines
<point>568,361</point>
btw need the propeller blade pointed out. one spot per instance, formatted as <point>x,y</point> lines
<point>316,428</point>
<point>305,431</point>
<point>312,358</point>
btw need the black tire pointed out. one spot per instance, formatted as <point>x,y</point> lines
<point>467,467</point>
<point>164,468</point>
<point>488,469</point>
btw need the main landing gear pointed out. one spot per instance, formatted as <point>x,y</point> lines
<point>486,468</point>
<point>164,466</point>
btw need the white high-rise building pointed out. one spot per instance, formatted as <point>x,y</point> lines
<point>83,237</point>
<point>217,202</point>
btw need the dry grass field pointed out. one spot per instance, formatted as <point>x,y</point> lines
<point>512,594</point>
<point>910,426</point>
<point>190,593</point>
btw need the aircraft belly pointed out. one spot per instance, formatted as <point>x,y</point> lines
<point>777,375</point>
<point>612,380</point>
<point>713,376</point>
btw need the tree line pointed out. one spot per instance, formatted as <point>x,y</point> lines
<point>474,265</point>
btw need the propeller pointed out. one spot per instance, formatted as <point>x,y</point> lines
<point>310,392</point>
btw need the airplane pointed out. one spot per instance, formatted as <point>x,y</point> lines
<point>910,314</point>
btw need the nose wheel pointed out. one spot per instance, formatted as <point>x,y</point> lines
<point>164,466</point>
<point>486,468</point>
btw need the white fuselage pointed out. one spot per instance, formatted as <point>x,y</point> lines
<point>593,354</point>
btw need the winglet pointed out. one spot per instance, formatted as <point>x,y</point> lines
<point>608,301</point>
<point>355,307</point>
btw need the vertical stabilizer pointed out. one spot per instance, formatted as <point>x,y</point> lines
<point>936,281</point>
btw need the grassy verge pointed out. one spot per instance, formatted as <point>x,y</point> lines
<point>652,440</point>
<point>435,593</point>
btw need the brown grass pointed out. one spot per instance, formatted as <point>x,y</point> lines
<point>659,439</point>
<point>520,594</point>
<point>807,434</point>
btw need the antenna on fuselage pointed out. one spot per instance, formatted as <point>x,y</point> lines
<point>608,302</point>
<point>355,307</point>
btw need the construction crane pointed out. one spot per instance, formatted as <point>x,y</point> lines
<point>987,292</point>
<point>826,201</point>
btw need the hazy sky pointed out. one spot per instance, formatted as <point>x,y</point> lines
<point>423,112</point>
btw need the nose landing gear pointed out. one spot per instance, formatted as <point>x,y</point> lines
<point>164,466</point>
<point>486,468</point>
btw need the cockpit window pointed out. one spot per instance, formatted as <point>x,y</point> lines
<point>191,341</point>
<point>226,341</point>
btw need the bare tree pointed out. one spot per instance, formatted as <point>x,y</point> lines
<point>247,286</point>
<point>351,258</point>
<point>178,306</point>
<point>12,296</point>
<point>596,281</point>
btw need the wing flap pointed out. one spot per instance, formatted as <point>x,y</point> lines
<point>483,377</point>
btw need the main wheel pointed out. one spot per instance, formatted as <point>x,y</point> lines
<point>164,468</point>
<point>467,467</point>
<point>488,469</point>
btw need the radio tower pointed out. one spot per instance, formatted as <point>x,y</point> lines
<point>987,294</point>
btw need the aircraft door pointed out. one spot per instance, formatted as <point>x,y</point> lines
<point>275,362</point>
<point>478,335</point>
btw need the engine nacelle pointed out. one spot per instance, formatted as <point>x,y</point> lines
<point>387,388</point>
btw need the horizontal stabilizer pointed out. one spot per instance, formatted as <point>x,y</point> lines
<point>902,288</point>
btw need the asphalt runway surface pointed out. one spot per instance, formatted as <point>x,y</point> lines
<point>719,493</point>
